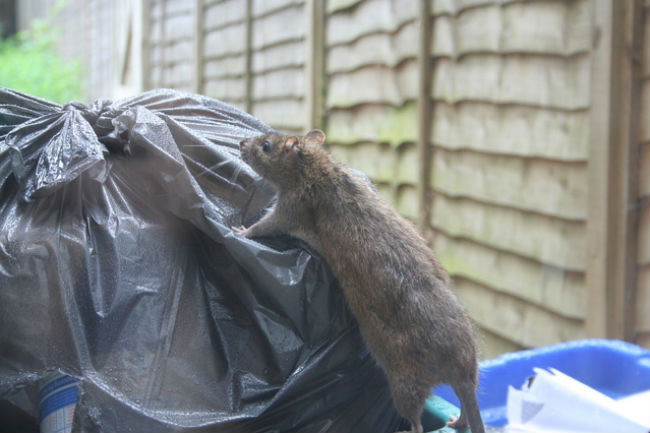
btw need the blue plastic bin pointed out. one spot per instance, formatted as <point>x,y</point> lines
<point>612,367</point>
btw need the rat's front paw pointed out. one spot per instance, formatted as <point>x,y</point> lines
<point>241,230</point>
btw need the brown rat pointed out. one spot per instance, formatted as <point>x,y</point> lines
<point>393,284</point>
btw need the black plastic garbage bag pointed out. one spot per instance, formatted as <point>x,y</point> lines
<point>118,267</point>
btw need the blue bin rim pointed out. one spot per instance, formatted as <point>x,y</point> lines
<point>632,350</point>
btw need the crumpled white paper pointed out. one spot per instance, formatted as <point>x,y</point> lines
<point>553,401</point>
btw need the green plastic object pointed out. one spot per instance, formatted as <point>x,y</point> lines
<point>436,415</point>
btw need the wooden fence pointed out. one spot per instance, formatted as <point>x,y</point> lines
<point>515,133</point>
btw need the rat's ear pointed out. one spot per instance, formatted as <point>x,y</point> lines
<point>291,148</point>
<point>291,141</point>
<point>315,136</point>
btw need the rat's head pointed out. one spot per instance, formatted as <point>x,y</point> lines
<point>281,159</point>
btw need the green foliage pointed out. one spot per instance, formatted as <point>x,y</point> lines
<point>29,63</point>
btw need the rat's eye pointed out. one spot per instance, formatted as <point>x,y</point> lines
<point>266,146</point>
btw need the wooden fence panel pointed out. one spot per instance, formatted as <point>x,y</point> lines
<point>542,186</point>
<point>171,47</point>
<point>372,89</point>
<point>495,150</point>
<point>549,287</point>
<point>547,240</point>
<point>512,27</point>
<point>279,29</point>
<point>510,124</point>
<point>520,322</point>
<point>224,50</point>
<point>511,129</point>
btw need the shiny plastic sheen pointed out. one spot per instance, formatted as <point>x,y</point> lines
<point>118,266</point>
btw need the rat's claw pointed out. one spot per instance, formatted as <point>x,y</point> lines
<point>454,423</point>
<point>239,230</point>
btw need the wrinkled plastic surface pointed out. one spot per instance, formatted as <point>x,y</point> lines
<point>118,266</point>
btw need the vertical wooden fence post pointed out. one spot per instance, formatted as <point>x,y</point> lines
<point>626,168</point>
<point>315,64</point>
<point>424,110</point>
<point>611,224</point>
<point>144,69</point>
<point>199,35</point>
<point>249,57</point>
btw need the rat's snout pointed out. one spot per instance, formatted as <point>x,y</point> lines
<point>242,144</point>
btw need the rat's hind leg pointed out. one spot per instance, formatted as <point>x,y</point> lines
<point>409,398</point>
<point>469,411</point>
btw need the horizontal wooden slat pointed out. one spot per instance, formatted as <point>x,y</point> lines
<point>386,166</point>
<point>546,240</point>
<point>375,49</point>
<point>457,7</point>
<point>454,7</point>
<point>380,162</point>
<point>376,84</point>
<point>156,75</point>
<point>290,117</point>
<point>492,345</point>
<point>285,83</point>
<point>376,161</point>
<point>539,27</point>
<point>179,51</point>
<point>156,31</point>
<point>513,319</point>
<point>337,5</point>
<point>266,7</point>
<point>512,129</point>
<point>385,191</point>
<point>406,164</point>
<point>369,17</point>
<point>229,40</point>
<point>156,8</point>
<point>225,67</point>
<point>178,75</point>
<point>238,103</point>
<point>279,56</point>
<point>226,88</point>
<point>406,201</point>
<point>156,55</point>
<point>375,123</point>
<point>518,79</point>
<point>285,25</point>
<point>537,185</point>
<point>179,26</point>
<point>178,7</point>
<point>549,287</point>
<point>221,14</point>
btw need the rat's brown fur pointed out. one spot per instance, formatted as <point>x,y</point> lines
<point>392,282</point>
